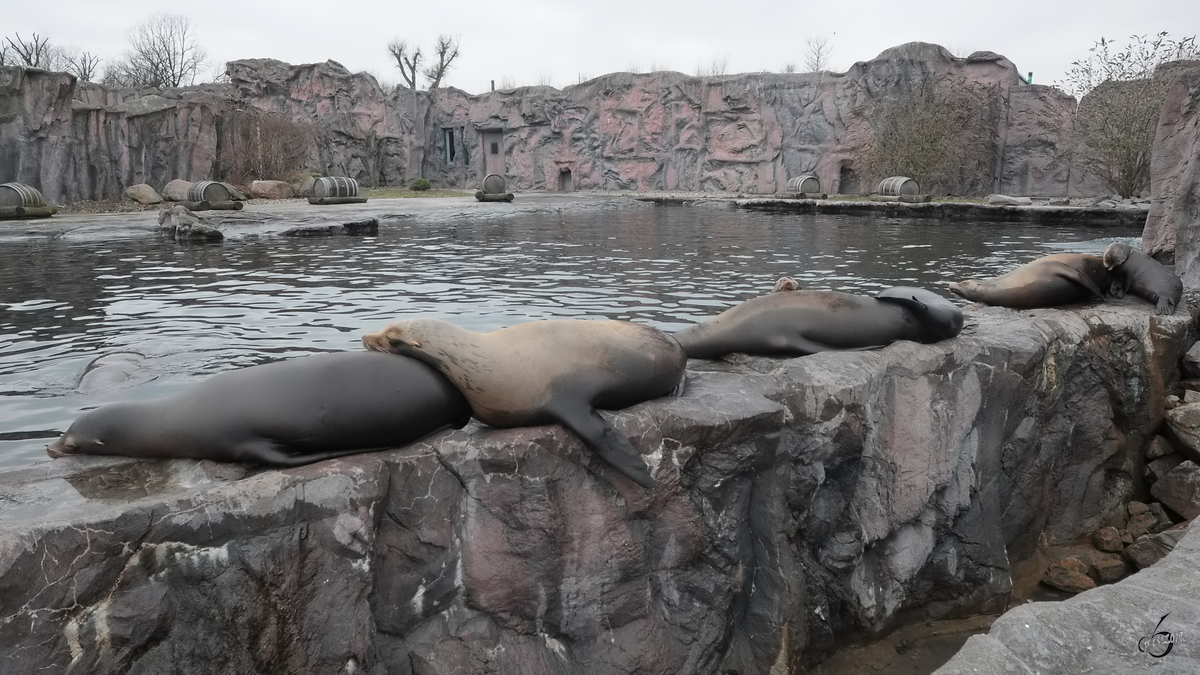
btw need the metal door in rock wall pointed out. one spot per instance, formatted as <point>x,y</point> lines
<point>493,152</point>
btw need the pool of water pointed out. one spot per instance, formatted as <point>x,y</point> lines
<point>194,310</point>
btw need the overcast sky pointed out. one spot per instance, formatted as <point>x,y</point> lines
<point>561,43</point>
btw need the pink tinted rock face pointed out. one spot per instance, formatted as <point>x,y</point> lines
<point>1175,178</point>
<point>746,133</point>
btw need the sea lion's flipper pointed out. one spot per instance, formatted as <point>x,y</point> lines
<point>798,345</point>
<point>905,300</point>
<point>605,441</point>
<point>273,453</point>
<point>1118,286</point>
<point>1073,275</point>
<point>1164,306</point>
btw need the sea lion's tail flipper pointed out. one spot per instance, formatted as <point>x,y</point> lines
<point>1071,274</point>
<point>1165,306</point>
<point>604,440</point>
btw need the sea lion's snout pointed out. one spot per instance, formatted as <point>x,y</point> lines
<point>957,289</point>
<point>61,447</point>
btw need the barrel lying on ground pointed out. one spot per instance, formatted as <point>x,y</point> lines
<point>18,200</point>
<point>493,189</point>
<point>335,190</point>
<point>212,195</point>
<point>807,186</point>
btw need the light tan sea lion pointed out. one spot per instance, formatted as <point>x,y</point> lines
<point>543,372</point>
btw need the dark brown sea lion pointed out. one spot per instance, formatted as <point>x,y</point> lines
<point>1059,279</point>
<point>542,372</point>
<point>1135,272</point>
<point>799,322</point>
<point>286,413</point>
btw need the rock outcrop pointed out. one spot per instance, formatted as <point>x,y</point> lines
<point>1175,177</point>
<point>1122,628</point>
<point>743,133</point>
<point>800,503</point>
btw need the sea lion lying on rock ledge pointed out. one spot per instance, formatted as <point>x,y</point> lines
<point>1059,279</point>
<point>285,413</point>
<point>789,322</point>
<point>1135,272</point>
<point>541,372</point>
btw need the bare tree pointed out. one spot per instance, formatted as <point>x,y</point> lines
<point>83,65</point>
<point>36,53</point>
<point>406,62</point>
<point>1120,96</point>
<point>789,67</point>
<point>164,53</point>
<point>265,145</point>
<point>717,66</point>
<point>938,135</point>
<point>816,53</point>
<point>445,51</point>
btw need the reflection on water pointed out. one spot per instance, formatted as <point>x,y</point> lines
<point>194,310</point>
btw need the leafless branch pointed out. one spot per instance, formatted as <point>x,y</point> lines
<point>406,62</point>
<point>816,53</point>
<point>445,52</point>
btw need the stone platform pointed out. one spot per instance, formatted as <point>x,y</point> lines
<point>802,504</point>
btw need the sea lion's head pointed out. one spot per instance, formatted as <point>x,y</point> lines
<point>786,284</point>
<point>405,337</point>
<point>939,318</point>
<point>1116,255</point>
<point>969,289</point>
<point>103,431</point>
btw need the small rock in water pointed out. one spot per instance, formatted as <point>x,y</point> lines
<point>1070,575</point>
<point>364,226</point>
<point>1179,490</point>
<point>1108,539</point>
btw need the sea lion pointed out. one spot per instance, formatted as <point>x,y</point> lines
<point>285,413</point>
<point>115,370</point>
<point>1058,279</point>
<point>542,372</point>
<point>800,322</point>
<point>1134,271</point>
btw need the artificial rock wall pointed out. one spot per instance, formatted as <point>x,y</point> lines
<point>801,503</point>
<point>744,133</point>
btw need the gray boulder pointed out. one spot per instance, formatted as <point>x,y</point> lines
<point>143,194</point>
<point>1179,490</point>
<point>177,190</point>
<point>271,189</point>
<point>179,222</point>
<point>1184,424</point>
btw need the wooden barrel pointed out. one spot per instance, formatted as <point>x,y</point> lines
<point>807,183</point>
<point>20,194</point>
<point>899,185</point>
<point>334,186</point>
<point>208,191</point>
<point>493,184</point>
